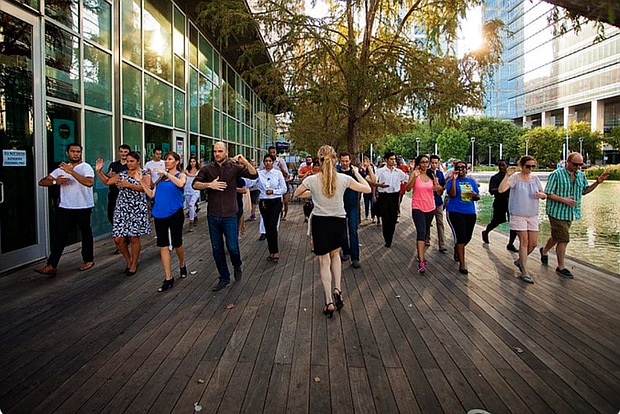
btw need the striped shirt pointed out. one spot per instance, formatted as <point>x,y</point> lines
<point>561,184</point>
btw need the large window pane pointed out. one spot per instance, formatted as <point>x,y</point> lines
<point>62,64</point>
<point>132,135</point>
<point>216,124</point>
<point>158,102</point>
<point>132,91</point>
<point>193,45</point>
<point>157,137</point>
<point>205,57</point>
<point>97,78</point>
<point>216,68</point>
<point>179,33</point>
<point>158,38</point>
<point>63,128</point>
<point>97,19</point>
<point>193,100</point>
<point>179,72</point>
<point>131,17</point>
<point>97,144</point>
<point>66,12</point>
<point>179,109</point>
<point>206,107</point>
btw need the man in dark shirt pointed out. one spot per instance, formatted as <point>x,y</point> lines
<point>116,168</point>
<point>500,206</point>
<point>350,240</point>
<point>220,180</point>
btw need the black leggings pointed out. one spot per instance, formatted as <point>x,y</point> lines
<point>462,226</point>
<point>422,222</point>
<point>270,211</point>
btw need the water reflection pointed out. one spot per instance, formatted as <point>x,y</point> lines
<point>594,239</point>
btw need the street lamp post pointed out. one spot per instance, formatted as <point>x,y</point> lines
<point>527,145</point>
<point>567,150</point>
<point>581,145</point>
<point>417,143</point>
<point>473,139</point>
<point>489,154</point>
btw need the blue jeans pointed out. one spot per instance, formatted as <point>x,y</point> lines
<point>350,241</point>
<point>220,227</point>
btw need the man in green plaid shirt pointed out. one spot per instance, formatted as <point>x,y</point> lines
<point>564,190</point>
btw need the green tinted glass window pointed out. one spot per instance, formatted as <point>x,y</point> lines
<point>131,16</point>
<point>132,91</point>
<point>179,33</point>
<point>66,12</point>
<point>179,109</point>
<point>97,144</point>
<point>158,38</point>
<point>216,68</point>
<point>97,78</point>
<point>132,135</point>
<point>193,100</point>
<point>97,22</point>
<point>193,45</point>
<point>206,106</point>
<point>62,64</point>
<point>157,101</point>
<point>179,72</point>
<point>216,124</point>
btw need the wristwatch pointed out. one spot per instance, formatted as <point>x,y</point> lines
<point>54,182</point>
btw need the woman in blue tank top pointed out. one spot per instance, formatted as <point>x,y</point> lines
<point>167,212</point>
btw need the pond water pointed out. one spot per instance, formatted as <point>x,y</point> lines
<point>594,239</point>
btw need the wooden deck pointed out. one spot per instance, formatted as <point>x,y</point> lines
<point>102,342</point>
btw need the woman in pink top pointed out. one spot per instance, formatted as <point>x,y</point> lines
<point>423,183</point>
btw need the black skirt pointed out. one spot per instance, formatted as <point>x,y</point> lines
<point>327,233</point>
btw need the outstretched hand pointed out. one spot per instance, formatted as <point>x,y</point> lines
<point>99,164</point>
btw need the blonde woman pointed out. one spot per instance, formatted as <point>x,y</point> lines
<point>328,220</point>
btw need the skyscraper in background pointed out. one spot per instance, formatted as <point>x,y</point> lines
<point>553,80</point>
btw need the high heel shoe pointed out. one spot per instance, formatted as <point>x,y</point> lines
<point>338,299</point>
<point>130,273</point>
<point>326,311</point>
<point>167,285</point>
<point>184,272</point>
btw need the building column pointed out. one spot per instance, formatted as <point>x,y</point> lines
<point>597,115</point>
<point>569,116</point>
<point>544,118</point>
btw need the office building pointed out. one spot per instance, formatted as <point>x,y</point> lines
<point>102,73</point>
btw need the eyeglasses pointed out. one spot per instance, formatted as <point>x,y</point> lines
<point>529,166</point>
<point>460,168</point>
<point>576,164</point>
<point>424,162</point>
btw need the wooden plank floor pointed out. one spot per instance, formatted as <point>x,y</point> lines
<point>102,342</point>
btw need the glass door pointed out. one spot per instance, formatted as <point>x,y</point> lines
<point>22,223</point>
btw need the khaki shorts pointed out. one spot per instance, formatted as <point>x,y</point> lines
<point>560,230</point>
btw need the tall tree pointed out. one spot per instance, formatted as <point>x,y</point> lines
<point>453,143</point>
<point>545,144</point>
<point>365,58</point>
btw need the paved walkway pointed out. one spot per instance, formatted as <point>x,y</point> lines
<point>102,342</point>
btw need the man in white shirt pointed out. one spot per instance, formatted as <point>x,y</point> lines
<point>156,162</point>
<point>76,179</point>
<point>389,179</point>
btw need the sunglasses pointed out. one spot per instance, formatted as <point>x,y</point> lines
<point>577,164</point>
<point>460,168</point>
<point>529,166</point>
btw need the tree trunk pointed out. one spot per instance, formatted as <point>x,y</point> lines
<point>353,134</point>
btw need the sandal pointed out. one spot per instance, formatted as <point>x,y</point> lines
<point>526,279</point>
<point>269,258</point>
<point>275,259</point>
<point>327,312</point>
<point>338,299</point>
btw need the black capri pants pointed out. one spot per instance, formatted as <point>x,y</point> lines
<point>462,226</point>
<point>175,224</point>
<point>422,222</point>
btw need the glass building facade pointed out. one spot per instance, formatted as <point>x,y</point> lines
<point>104,73</point>
<point>547,79</point>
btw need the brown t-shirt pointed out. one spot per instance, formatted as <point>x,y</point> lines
<point>223,203</point>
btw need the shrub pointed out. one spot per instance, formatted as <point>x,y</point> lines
<point>593,172</point>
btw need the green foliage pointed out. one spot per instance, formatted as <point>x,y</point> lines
<point>453,143</point>
<point>613,138</point>
<point>591,144</point>
<point>593,172</point>
<point>492,131</point>
<point>545,144</point>
<point>355,69</point>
